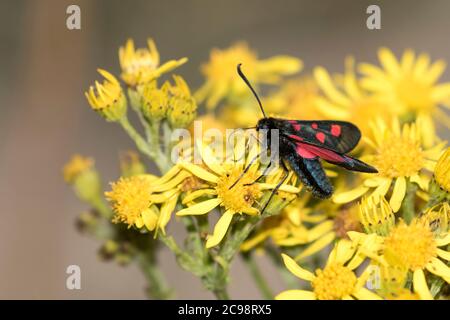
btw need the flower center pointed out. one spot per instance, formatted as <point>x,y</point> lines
<point>130,197</point>
<point>334,282</point>
<point>240,197</point>
<point>399,156</point>
<point>410,246</point>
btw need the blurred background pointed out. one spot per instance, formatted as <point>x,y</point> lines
<point>44,119</point>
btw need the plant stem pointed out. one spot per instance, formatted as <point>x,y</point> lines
<point>221,294</point>
<point>262,284</point>
<point>158,288</point>
<point>98,204</point>
<point>408,210</point>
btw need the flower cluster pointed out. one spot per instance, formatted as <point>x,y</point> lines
<point>380,236</point>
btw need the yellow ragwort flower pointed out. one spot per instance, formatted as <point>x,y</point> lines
<point>412,247</point>
<point>222,80</point>
<point>337,281</point>
<point>154,100</point>
<point>376,215</point>
<point>411,82</point>
<point>182,106</point>
<point>289,229</point>
<point>108,98</point>
<point>142,65</point>
<point>145,200</point>
<point>76,166</point>
<point>348,101</point>
<point>221,176</point>
<point>400,157</point>
<point>442,171</point>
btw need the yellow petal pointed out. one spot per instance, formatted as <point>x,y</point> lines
<point>443,254</point>
<point>296,295</point>
<point>364,294</point>
<point>439,268</point>
<point>208,157</point>
<point>443,241</point>
<point>149,217</point>
<point>326,84</point>
<point>345,197</point>
<point>200,208</point>
<point>200,172</point>
<point>398,194</point>
<point>320,230</point>
<point>253,242</point>
<point>166,211</point>
<point>199,193</point>
<point>420,285</point>
<point>296,270</point>
<point>316,246</point>
<point>389,61</point>
<point>220,229</point>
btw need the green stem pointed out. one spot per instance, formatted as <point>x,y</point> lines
<point>408,209</point>
<point>152,151</point>
<point>98,204</point>
<point>262,284</point>
<point>158,288</point>
<point>221,294</point>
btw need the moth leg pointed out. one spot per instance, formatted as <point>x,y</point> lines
<point>285,175</point>
<point>245,170</point>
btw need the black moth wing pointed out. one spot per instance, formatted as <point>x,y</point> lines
<point>338,136</point>
<point>309,171</point>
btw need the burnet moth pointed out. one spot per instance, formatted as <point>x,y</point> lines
<point>302,144</point>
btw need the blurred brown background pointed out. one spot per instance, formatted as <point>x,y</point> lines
<point>44,117</point>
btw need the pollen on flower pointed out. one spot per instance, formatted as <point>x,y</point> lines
<point>410,246</point>
<point>240,197</point>
<point>399,156</point>
<point>334,282</point>
<point>129,198</point>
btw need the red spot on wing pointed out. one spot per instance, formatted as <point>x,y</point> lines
<point>320,152</point>
<point>293,136</point>
<point>296,126</point>
<point>320,136</point>
<point>336,130</point>
<point>314,125</point>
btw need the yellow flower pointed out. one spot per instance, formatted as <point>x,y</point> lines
<point>288,228</point>
<point>412,247</point>
<point>296,100</point>
<point>222,80</point>
<point>376,215</point>
<point>230,188</point>
<point>145,200</point>
<point>400,157</point>
<point>182,106</point>
<point>410,82</point>
<point>76,166</point>
<point>80,173</point>
<point>142,65</point>
<point>337,281</point>
<point>154,100</point>
<point>348,101</point>
<point>107,98</point>
<point>442,171</point>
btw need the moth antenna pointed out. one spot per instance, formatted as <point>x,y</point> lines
<point>241,74</point>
